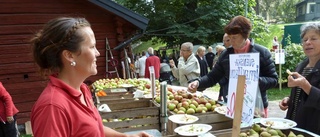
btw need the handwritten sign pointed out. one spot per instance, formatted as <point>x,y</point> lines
<point>243,64</point>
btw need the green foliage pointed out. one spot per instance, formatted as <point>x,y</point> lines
<point>266,38</point>
<point>198,21</point>
<point>155,43</point>
<point>284,10</point>
<point>293,56</point>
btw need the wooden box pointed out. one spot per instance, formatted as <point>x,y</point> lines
<point>216,120</point>
<point>132,115</point>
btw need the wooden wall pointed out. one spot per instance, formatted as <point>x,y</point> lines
<point>19,20</point>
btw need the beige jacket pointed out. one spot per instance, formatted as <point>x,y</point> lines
<point>187,70</point>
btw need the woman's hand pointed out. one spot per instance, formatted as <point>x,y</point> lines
<point>10,119</point>
<point>283,104</point>
<point>171,63</point>
<point>192,87</point>
<point>297,80</point>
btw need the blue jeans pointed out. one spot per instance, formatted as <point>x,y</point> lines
<point>8,129</point>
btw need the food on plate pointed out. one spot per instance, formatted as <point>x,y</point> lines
<point>278,123</point>
<point>183,118</point>
<point>221,110</point>
<point>193,129</point>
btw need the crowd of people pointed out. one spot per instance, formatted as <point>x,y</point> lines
<point>65,51</point>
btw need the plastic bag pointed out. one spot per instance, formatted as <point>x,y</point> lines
<point>259,109</point>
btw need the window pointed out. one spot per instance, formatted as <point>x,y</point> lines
<point>300,10</point>
<point>312,8</point>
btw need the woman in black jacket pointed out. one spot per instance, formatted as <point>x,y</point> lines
<point>238,30</point>
<point>304,102</point>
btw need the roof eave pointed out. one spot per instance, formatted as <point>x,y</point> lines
<point>134,18</point>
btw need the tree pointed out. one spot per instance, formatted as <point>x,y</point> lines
<point>277,10</point>
<point>198,21</point>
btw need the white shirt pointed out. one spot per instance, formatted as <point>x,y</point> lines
<point>142,66</point>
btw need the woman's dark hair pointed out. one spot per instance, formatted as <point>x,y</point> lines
<point>57,35</point>
<point>239,25</point>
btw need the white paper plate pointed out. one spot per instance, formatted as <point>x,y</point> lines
<point>193,129</point>
<point>278,123</point>
<point>221,110</point>
<point>183,118</point>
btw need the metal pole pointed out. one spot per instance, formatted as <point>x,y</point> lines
<point>163,107</point>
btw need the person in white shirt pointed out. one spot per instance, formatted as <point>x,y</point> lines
<point>142,65</point>
<point>188,65</point>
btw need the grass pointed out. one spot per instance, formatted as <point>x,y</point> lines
<point>276,94</point>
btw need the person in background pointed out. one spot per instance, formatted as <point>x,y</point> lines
<point>223,83</point>
<point>209,57</point>
<point>202,61</point>
<point>154,61</point>
<point>275,43</point>
<point>239,29</point>
<point>142,64</point>
<point>188,65</point>
<point>136,65</point>
<point>65,51</point>
<point>226,41</point>
<point>164,57</point>
<point>8,112</point>
<point>303,104</point>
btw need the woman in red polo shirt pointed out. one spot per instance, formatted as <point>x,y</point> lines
<point>65,50</point>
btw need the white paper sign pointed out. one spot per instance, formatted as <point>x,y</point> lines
<point>243,64</point>
<point>279,56</point>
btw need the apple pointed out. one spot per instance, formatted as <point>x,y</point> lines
<point>191,111</point>
<point>194,103</point>
<point>192,106</point>
<point>176,102</point>
<point>158,99</point>
<point>180,112</point>
<point>185,105</point>
<point>208,106</point>
<point>148,86</point>
<point>171,106</point>
<point>212,102</point>
<point>169,89</point>
<point>179,105</point>
<point>183,109</point>
<point>199,109</point>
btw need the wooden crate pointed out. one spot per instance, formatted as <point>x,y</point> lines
<point>143,114</point>
<point>216,120</point>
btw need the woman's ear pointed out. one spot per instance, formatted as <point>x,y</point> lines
<point>67,55</point>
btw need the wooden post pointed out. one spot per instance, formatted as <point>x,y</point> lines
<point>238,106</point>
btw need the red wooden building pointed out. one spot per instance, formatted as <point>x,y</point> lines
<point>20,20</point>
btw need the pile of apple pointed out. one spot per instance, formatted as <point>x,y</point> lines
<point>182,102</point>
<point>107,83</point>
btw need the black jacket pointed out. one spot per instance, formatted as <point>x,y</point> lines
<point>268,77</point>
<point>308,108</point>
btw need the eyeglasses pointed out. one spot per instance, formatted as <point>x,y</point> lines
<point>183,50</point>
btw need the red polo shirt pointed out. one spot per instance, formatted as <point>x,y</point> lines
<point>59,112</point>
